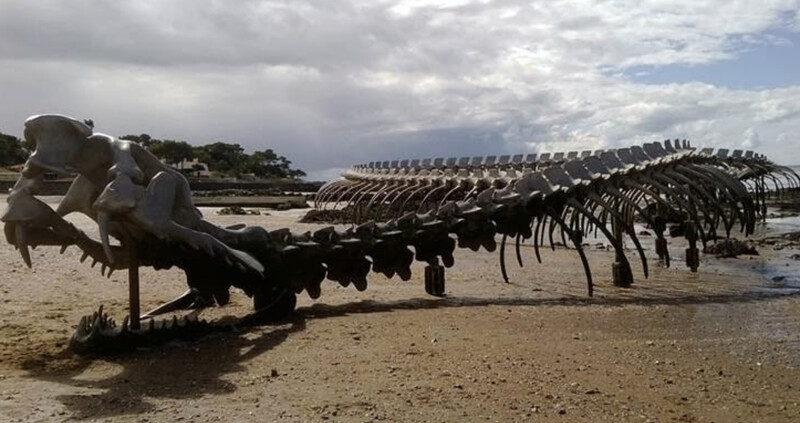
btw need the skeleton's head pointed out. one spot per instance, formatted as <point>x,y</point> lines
<point>28,220</point>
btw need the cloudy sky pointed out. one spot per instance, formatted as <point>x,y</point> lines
<point>330,83</point>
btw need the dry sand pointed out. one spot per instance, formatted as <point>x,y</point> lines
<point>721,345</point>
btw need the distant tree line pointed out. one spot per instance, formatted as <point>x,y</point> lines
<point>223,158</point>
<point>13,150</point>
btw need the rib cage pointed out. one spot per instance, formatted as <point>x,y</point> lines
<point>522,200</point>
<point>525,197</point>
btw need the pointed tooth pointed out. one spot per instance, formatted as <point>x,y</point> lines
<point>94,263</point>
<point>103,218</point>
<point>83,256</point>
<point>110,271</point>
<point>125,323</point>
<point>174,322</point>
<point>63,248</point>
<point>103,269</point>
<point>96,325</point>
<point>152,324</point>
<point>81,329</point>
<point>22,243</point>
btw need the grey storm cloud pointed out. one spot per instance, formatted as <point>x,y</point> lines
<point>332,83</point>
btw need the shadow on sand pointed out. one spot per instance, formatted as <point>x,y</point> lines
<point>198,369</point>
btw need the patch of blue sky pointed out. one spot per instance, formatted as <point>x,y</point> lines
<point>771,63</point>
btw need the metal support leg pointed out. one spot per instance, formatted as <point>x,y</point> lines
<point>622,275</point>
<point>692,253</point>
<point>434,280</point>
<point>659,227</point>
<point>133,287</point>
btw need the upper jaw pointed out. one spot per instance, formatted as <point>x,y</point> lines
<point>30,222</point>
<point>23,207</point>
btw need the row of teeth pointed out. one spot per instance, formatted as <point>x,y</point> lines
<point>100,321</point>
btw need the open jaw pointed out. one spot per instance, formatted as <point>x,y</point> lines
<point>29,223</point>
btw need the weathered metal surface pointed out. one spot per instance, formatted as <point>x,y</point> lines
<point>430,205</point>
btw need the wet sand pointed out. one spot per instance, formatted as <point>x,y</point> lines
<point>722,345</point>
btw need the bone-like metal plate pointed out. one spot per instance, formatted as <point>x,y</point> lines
<point>639,154</point>
<point>558,177</point>
<point>576,170</point>
<point>654,150</point>
<point>595,165</point>
<point>611,161</point>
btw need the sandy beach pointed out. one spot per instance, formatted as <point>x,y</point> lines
<point>721,345</point>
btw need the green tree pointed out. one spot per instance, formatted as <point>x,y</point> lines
<point>267,164</point>
<point>12,150</point>
<point>173,152</point>
<point>227,159</point>
<point>222,157</point>
<point>143,139</point>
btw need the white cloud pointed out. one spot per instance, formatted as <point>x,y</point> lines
<point>333,83</point>
<point>751,139</point>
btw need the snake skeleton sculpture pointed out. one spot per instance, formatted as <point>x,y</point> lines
<point>431,205</point>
